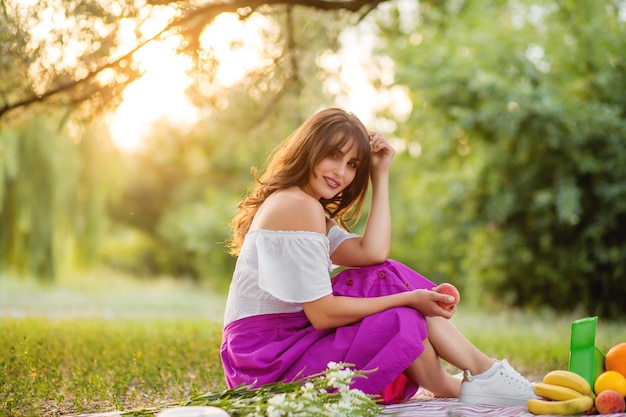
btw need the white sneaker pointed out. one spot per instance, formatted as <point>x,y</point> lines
<point>500,384</point>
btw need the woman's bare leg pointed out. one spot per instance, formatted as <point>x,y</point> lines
<point>428,372</point>
<point>454,348</point>
<point>446,342</point>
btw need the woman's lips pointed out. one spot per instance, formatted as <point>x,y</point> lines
<point>332,183</point>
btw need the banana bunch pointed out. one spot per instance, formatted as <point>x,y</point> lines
<point>562,393</point>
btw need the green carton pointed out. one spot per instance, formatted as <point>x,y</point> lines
<point>584,358</point>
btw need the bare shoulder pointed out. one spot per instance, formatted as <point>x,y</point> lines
<point>291,209</point>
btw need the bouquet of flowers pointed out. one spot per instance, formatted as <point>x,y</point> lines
<point>325,394</point>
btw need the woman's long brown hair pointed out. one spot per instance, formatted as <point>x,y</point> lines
<point>292,162</point>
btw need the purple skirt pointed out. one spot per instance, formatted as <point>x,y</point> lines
<point>283,347</point>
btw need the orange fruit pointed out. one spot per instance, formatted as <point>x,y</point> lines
<point>610,380</point>
<point>615,359</point>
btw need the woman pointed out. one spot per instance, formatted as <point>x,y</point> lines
<point>286,317</point>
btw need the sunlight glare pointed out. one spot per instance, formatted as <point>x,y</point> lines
<point>355,67</point>
<point>237,45</point>
<point>159,94</point>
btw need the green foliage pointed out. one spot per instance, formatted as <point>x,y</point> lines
<point>524,94</point>
<point>54,184</point>
<point>15,55</point>
<point>424,208</point>
<point>55,62</point>
<point>178,193</point>
<point>177,205</point>
<point>511,179</point>
<point>53,169</point>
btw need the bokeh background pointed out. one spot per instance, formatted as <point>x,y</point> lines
<point>128,130</point>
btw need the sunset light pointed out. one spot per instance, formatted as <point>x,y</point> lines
<point>160,93</point>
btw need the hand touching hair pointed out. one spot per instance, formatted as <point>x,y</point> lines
<point>292,162</point>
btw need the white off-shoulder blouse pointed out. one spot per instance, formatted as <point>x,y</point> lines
<point>277,271</point>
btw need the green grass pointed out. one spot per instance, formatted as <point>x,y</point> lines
<point>70,366</point>
<point>534,342</point>
<point>102,341</point>
<point>81,348</point>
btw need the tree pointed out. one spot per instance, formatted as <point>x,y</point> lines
<point>101,69</point>
<point>527,95</point>
<point>58,77</point>
<point>54,180</point>
<point>62,64</point>
<point>183,187</point>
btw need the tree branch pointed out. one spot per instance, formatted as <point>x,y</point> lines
<point>191,24</point>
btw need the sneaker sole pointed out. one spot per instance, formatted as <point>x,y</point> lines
<point>493,400</point>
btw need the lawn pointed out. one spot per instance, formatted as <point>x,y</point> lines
<point>76,349</point>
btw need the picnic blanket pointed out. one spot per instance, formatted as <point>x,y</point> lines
<point>423,404</point>
<point>427,406</point>
<point>450,407</point>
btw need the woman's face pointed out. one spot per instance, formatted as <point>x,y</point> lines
<point>333,173</point>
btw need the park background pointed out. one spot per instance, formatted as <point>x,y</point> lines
<point>128,131</point>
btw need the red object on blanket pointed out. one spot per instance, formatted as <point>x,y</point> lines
<point>398,390</point>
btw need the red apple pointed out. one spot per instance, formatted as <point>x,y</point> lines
<point>449,289</point>
<point>610,402</point>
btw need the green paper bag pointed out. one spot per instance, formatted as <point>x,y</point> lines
<point>584,358</point>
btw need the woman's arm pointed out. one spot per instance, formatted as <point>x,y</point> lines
<point>336,311</point>
<point>373,246</point>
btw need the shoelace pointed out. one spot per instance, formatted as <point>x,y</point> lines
<point>516,375</point>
